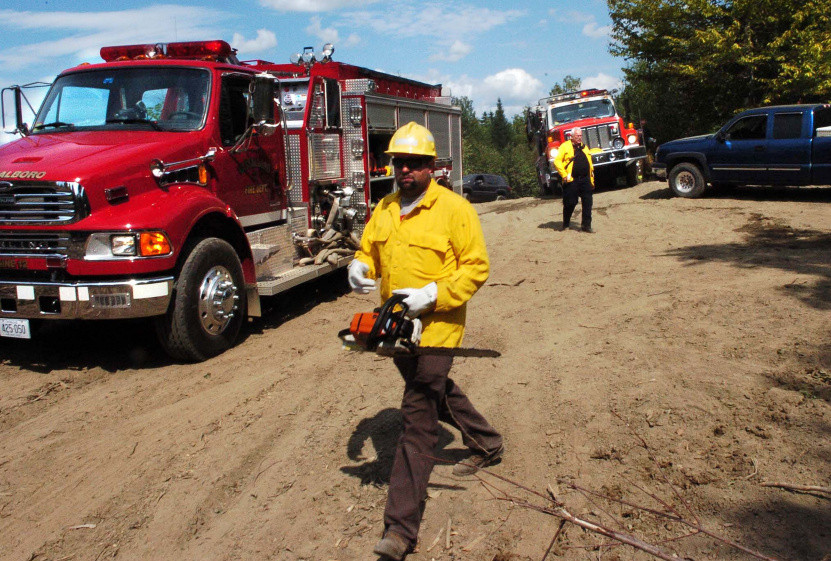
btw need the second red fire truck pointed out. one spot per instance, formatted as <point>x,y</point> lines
<point>616,148</point>
<point>173,181</point>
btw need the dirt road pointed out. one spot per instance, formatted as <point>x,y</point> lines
<point>704,324</point>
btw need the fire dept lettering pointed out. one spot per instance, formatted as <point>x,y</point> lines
<point>256,189</point>
<point>22,174</point>
<point>13,264</point>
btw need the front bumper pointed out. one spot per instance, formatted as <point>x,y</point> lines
<point>85,300</point>
<point>624,155</point>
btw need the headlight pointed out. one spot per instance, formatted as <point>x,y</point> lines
<point>552,153</point>
<point>632,139</point>
<point>617,143</point>
<point>123,246</point>
<point>109,245</point>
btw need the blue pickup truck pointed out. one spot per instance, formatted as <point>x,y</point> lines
<point>780,145</point>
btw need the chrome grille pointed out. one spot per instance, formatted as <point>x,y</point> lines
<point>42,202</point>
<point>34,244</point>
<point>598,137</point>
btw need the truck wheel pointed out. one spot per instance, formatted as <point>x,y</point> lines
<point>208,305</point>
<point>634,174</point>
<point>686,180</point>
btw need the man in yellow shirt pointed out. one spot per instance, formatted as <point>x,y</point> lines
<point>425,242</point>
<point>574,164</point>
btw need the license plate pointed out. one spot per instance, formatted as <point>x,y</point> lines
<point>16,328</point>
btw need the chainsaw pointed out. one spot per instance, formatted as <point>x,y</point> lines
<point>389,332</point>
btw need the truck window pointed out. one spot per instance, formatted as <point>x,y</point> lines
<point>582,110</point>
<point>125,99</point>
<point>80,106</point>
<point>234,116</point>
<point>787,125</point>
<point>822,118</point>
<point>753,127</point>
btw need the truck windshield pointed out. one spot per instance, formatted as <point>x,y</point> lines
<point>582,110</point>
<point>146,98</point>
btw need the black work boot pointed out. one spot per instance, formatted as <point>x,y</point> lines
<point>392,546</point>
<point>478,461</point>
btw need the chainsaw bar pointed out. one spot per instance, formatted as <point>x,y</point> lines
<point>440,351</point>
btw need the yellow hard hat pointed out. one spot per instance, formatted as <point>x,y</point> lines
<point>413,139</point>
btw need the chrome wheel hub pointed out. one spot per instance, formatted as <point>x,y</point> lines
<point>218,300</point>
<point>685,182</point>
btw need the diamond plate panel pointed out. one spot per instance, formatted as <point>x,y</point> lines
<point>294,195</point>
<point>358,86</point>
<point>324,156</point>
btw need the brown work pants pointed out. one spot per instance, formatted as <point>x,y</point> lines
<point>430,396</point>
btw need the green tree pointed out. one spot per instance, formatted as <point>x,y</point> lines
<point>694,63</point>
<point>569,84</point>
<point>500,128</point>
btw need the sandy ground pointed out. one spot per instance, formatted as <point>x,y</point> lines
<point>702,324</point>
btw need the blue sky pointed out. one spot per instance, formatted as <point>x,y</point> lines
<point>482,49</point>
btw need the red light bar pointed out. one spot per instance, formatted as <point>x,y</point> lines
<point>199,49</point>
<point>127,52</point>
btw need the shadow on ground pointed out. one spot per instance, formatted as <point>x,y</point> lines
<point>754,193</point>
<point>774,245</point>
<point>383,431</point>
<point>115,345</point>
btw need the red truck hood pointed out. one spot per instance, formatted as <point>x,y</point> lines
<point>90,158</point>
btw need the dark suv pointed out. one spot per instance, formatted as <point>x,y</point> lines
<point>485,187</point>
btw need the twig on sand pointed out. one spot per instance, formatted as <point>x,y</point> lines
<point>801,488</point>
<point>667,512</point>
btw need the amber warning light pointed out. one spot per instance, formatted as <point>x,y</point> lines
<point>205,50</point>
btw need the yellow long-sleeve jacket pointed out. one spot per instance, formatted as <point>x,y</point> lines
<point>440,241</point>
<point>564,160</point>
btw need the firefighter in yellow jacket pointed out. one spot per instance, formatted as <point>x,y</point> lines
<point>574,164</point>
<point>425,241</point>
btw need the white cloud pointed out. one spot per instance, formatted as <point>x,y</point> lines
<point>89,31</point>
<point>590,26</point>
<point>455,52</point>
<point>432,20</point>
<point>595,31</point>
<point>265,40</point>
<point>330,34</point>
<point>602,81</point>
<point>313,5</point>
<point>514,86</point>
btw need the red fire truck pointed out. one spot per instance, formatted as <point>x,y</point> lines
<point>616,149</point>
<point>174,181</point>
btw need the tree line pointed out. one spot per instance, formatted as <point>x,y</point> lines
<point>690,66</point>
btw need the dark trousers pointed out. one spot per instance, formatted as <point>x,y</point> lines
<point>580,188</point>
<point>430,396</point>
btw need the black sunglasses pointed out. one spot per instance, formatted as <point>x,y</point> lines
<point>416,162</point>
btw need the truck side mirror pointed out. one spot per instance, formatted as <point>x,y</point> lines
<point>19,126</point>
<point>721,136</point>
<point>262,100</point>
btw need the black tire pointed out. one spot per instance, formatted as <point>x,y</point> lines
<point>686,180</point>
<point>634,174</point>
<point>466,195</point>
<point>208,305</point>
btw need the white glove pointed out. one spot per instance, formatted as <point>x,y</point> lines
<point>419,300</point>
<point>357,277</point>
